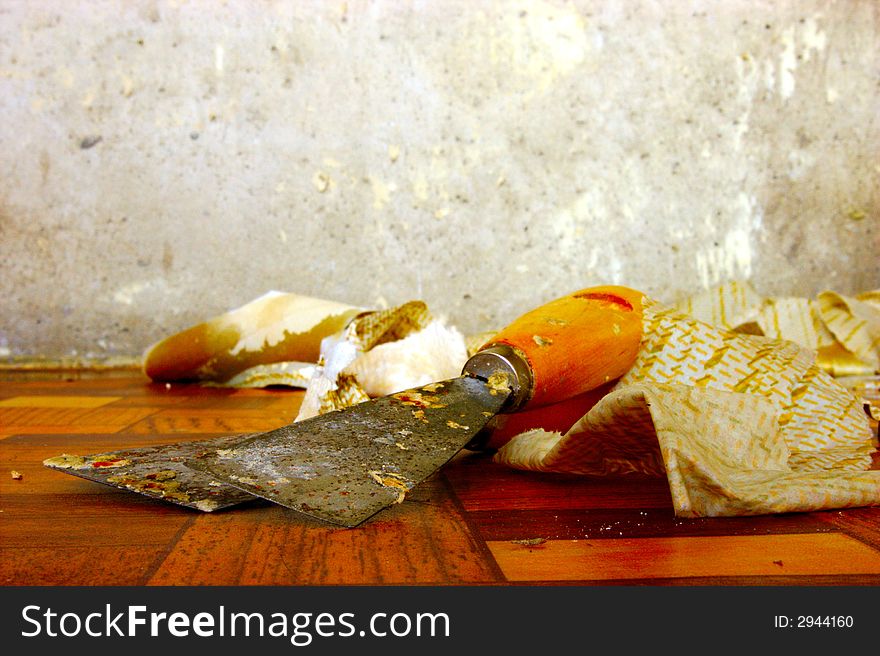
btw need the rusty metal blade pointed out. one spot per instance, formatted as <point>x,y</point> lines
<point>347,465</point>
<point>158,472</point>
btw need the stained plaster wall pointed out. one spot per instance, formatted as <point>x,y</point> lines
<point>164,161</point>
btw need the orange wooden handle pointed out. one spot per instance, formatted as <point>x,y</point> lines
<point>578,342</point>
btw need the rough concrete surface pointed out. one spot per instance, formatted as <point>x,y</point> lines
<point>164,161</point>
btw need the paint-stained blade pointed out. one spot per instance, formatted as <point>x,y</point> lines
<point>345,466</point>
<point>159,472</point>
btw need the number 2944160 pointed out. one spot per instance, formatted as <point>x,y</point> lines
<point>813,622</point>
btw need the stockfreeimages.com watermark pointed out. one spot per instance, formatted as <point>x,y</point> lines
<point>300,628</point>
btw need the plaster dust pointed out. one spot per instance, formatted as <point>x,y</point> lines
<point>165,161</point>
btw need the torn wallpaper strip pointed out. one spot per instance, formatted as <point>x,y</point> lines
<point>381,353</point>
<point>341,354</point>
<point>276,327</point>
<point>843,330</point>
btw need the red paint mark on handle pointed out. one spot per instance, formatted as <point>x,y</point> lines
<point>606,298</point>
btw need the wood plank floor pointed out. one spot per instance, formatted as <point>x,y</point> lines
<point>473,523</point>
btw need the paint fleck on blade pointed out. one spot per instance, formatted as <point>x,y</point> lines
<point>424,398</point>
<point>392,480</point>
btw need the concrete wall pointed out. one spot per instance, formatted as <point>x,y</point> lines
<point>163,161</point>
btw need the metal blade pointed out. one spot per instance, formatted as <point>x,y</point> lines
<point>347,465</point>
<point>159,472</point>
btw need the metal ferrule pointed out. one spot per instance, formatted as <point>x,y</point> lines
<point>505,360</point>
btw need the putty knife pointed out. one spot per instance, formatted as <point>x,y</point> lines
<point>345,466</point>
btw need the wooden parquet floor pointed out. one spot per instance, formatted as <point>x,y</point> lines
<point>474,522</point>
